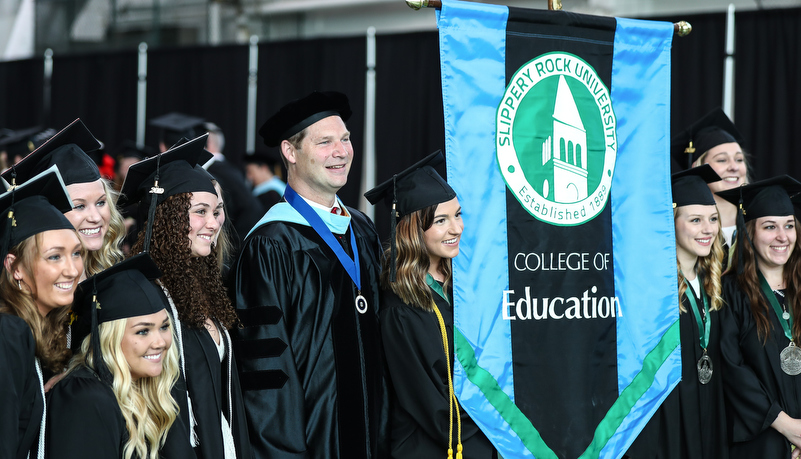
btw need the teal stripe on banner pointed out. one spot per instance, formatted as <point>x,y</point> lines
<point>645,268</point>
<point>472,56</point>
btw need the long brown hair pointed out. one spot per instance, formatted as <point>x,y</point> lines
<point>748,282</point>
<point>413,260</point>
<point>50,332</point>
<point>194,283</point>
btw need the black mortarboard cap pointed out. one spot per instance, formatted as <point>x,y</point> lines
<point>690,186</point>
<point>414,188</point>
<point>714,129</point>
<point>20,142</point>
<point>770,197</point>
<point>410,190</point>
<point>170,173</point>
<point>32,208</point>
<point>302,113</point>
<point>176,125</point>
<point>119,292</point>
<point>175,170</point>
<point>68,150</point>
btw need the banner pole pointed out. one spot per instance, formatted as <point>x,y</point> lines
<point>369,165</point>
<point>681,28</point>
<point>728,71</point>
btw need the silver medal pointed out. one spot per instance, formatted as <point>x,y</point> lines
<point>791,359</point>
<point>361,304</point>
<point>786,315</point>
<point>704,369</point>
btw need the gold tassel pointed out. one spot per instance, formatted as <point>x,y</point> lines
<point>452,401</point>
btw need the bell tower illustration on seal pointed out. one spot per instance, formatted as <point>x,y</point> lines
<point>566,150</point>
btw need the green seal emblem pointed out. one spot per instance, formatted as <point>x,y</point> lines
<point>556,139</point>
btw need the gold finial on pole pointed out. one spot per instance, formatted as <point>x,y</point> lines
<point>682,28</point>
<point>417,4</point>
<point>554,5</point>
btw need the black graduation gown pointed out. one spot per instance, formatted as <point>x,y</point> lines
<point>418,374</point>
<point>311,365</point>
<point>21,402</point>
<point>207,380</point>
<point>178,445</point>
<point>756,388</point>
<point>84,419</point>
<point>691,423</point>
<point>268,199</point>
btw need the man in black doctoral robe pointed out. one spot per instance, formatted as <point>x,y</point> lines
<point>306,289</point>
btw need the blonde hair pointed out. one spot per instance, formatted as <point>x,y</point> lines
<point>111,251</point>
<point>49,332</point>
<point>146,404</point>
<point>412,260</point>
<point>710,268</point>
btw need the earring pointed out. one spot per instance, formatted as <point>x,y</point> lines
<point>19,284</point>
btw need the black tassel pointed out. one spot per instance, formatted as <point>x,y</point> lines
<point>9,223</point>
<point>100,365</point>
<point>689,151</point>
<point>740,232</point>
<point>7,232</point>
<point>151,212</point>
<point>393,221</point>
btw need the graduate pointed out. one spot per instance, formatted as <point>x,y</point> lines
<point>115,400</point>
<point>305,286</point>
<point>416,314</point>
<point>181,214</point>
<point>691,422</point>
<point>761,323</point>
<point>94,213</point>
<point>715,140</point>
<point>42,260</point>
<point>243,208</point>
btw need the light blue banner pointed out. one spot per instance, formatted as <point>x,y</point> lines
<point>472,52</point>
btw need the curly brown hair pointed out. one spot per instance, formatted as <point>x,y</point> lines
<point>194,283</point>
<point>50,333</point>
<point>748,282</point>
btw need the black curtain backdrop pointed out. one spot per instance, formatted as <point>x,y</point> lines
<point>99,88</point>
<point>409,120</point>
<point>212,82</point>
<point>768,100</point>
<point>21,93</point>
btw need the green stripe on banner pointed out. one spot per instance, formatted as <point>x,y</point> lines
<point>632,393</point>
<point>521,425</point>
<point>517,421</point>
